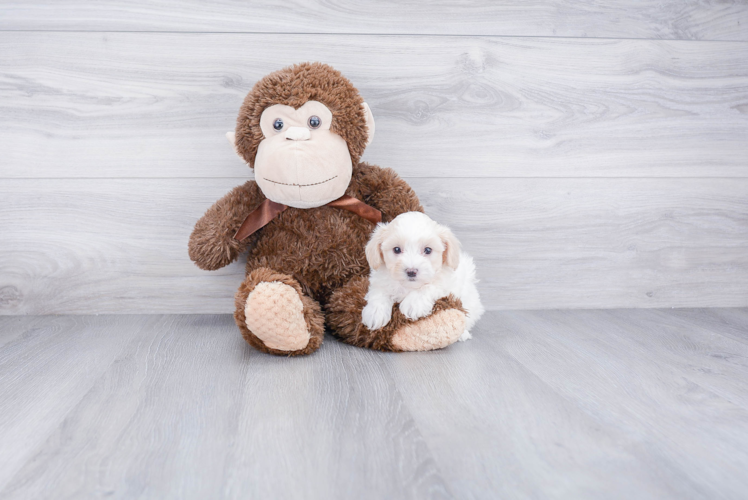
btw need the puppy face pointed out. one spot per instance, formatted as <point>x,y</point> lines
<point>413,248</point>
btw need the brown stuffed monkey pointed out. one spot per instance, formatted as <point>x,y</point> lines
<point>303,130</point>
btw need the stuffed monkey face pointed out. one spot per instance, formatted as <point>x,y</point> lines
<point>301,162</point>
<point>302,129</point>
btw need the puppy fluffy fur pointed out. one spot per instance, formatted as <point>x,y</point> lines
<point>414,262</point>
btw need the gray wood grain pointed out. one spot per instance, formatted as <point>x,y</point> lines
<point>728,321</point>
<point>550,404</point>
<point>600,243</point>
<point>121,105</point>
<point>188,410</point>
<point>632,398</point>
<point>120,246</point>
<point>654,402</point>
<point>46,372</point>
<point>500,431</point>
<point>717,363</point>
<point>700,19</point>
<point>13,327</point>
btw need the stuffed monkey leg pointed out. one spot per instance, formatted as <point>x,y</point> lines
<point>276,316</point>
<point>441,328</point>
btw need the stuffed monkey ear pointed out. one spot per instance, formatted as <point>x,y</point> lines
<point>369,123</point>
<point>451,255</point>
<point>373,250</point>
<point>232,139</point>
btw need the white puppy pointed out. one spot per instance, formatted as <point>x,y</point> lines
<point>415,261</point>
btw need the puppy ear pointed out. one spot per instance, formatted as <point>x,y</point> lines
<point>374,248</point>
<point>451,255</point>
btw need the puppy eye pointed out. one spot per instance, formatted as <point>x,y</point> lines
<point>396,250</point>
<point>427,250</point>
<point>278,124</point>
<point>314,122</point>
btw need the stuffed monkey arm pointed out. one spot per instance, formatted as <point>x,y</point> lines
<point>383,189</point>
<point>212,243</point>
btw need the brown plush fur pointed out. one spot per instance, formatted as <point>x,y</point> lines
<point>319,250</point>
<point>212,243</point>
<point>344,316</point>
<point>293,86</point>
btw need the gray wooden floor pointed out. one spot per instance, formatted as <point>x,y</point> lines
<point>551,404</point>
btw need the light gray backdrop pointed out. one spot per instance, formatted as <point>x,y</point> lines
<point>589,157</point>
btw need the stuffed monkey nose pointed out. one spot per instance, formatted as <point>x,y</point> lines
<point>298,134</point>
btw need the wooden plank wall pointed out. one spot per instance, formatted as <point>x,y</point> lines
<point>588,156</point>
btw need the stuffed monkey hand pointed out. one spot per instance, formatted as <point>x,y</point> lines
<point>212,243</point>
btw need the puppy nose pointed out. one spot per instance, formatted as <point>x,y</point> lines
<point>411,273</point>
<point>298,134</point>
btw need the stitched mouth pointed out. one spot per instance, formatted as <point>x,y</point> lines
<point>300,185</point>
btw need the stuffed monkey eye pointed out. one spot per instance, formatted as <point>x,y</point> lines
<point>396,250</point>
<point>278,124</point>
<point>314,121</point>
<point>427,250</point>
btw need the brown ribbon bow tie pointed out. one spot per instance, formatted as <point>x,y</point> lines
<point>269,210</point>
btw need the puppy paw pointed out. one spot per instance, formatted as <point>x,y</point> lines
<point>416,306</point>
<point>465,336</point>
<point>375,316</point>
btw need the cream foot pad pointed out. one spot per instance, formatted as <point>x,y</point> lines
<point>275,315</point>
<point>438,330</point>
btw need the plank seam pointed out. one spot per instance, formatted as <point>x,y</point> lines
<point>429,35</point>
